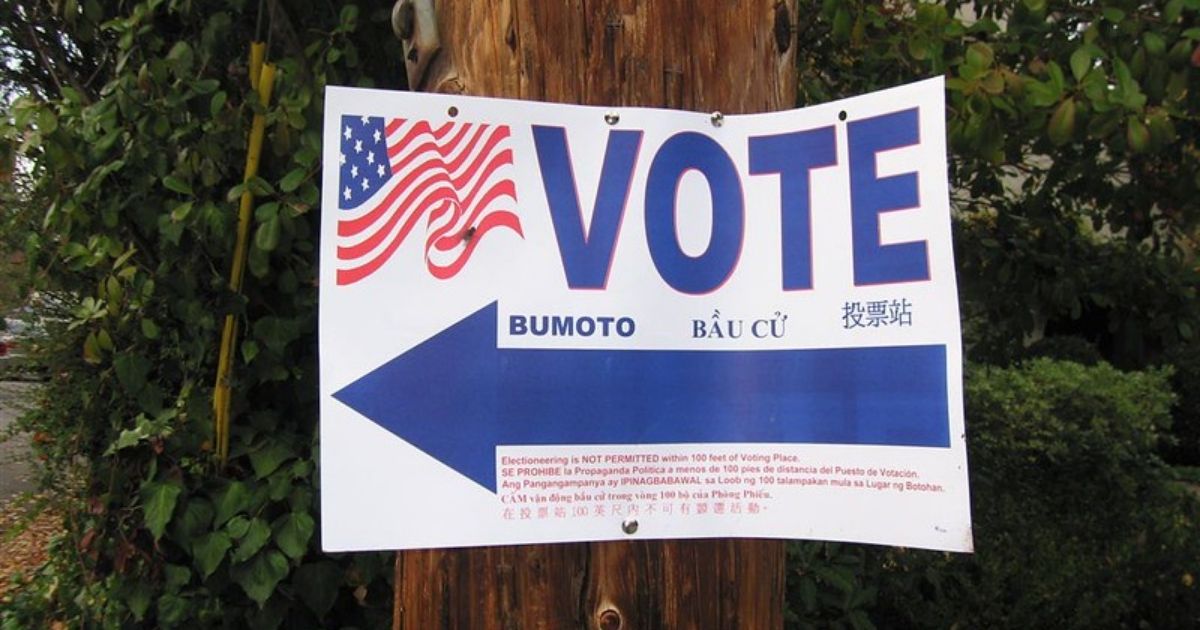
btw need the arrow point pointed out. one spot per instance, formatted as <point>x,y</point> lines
<point>440,396</point>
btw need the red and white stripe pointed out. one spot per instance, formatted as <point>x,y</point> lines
<point>455,178</point>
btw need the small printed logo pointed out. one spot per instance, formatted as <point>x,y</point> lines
<point>395,176</point>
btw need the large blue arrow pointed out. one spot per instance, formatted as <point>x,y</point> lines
<point>457,397</point>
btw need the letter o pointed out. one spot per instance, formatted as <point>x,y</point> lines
<point>704,273</point>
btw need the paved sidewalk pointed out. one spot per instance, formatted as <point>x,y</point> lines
<point>14,467</point>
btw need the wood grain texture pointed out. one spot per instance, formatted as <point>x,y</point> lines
<point>736,56</point>
<point>723,584</point>
<point>705,55</point>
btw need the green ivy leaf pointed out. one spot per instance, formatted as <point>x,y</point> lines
<point>137,598</point>
<point>279,485</point>
<point>233,501</point>
<point>1137,135</point>
<point>293,179</point>
<point>260,186</point>
<point>349,16</point>
<point>1162,129</point>
<point>1062,123</point>
<point>144,429</point>
<point>209,550</point>
<point>238,526</point>
<point>172,608</point>
<point>918,48</point>
<point>180,57</point>
<point>259,262</point>
<point>176,184</point>
<point>131,372</point>
<point>257,535</point>
<point>249,350</point>
<point>1172,11</point>
<point>206,86</point>
<point>158,503</point>
<point>236,192</point>
<point>292,533</point>
<point>275,333</point>
<point>259,577</point>
<point>1042,94</point>
<point>1154,43</point>
<point>266,237</point>
<point>1081,61</point>
<point>839,577</point>
<point>217,103</point>
<point>317,585</point>
<point>195,518</point>
<point>47,122</point>
<point>177,576</point>
<point>267,211</point>
<point>980,55</point>
<point>91,349</point>
<point>268,458</point>
<point>1056,76</point>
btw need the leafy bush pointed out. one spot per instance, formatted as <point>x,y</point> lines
<point>1017,278</point>
<point>828,586</point>
<point>1185,429</point>
<point>139,174</point>
<point>1065,348</point>
<point>1076,523</point>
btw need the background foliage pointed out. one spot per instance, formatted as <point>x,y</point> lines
<point>1077,524</point>
<point>135,139</point>
<point>1075,174</point>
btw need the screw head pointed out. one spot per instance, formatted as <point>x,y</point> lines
<point>610,620</point>
<point>612,118</point>
<point>629,526</point>
<point>718,119</point>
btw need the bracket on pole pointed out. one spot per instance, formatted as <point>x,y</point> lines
<point>415,24</point>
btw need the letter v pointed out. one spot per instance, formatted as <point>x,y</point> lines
<point>587,256</point>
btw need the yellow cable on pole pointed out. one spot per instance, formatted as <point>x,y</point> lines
<point>258,54</point>
<point>262,79</point>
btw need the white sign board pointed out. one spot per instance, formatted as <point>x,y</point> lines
<point>550,323</point>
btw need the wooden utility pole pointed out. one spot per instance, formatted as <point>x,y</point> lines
<point>732,56</point>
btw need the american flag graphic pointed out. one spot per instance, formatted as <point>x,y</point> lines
<point>395,175</point>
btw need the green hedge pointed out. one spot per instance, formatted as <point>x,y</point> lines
<point>1185,429</point>
<point>1077,524</point>
<point>134,192</point>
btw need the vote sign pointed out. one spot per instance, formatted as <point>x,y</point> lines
<point>550,323</point>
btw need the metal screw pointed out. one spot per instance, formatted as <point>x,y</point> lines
<point>629,526</point>
<point>612,118</point>
<point>610,620</point>
<point>718,119</point>
<point>452,112</point>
